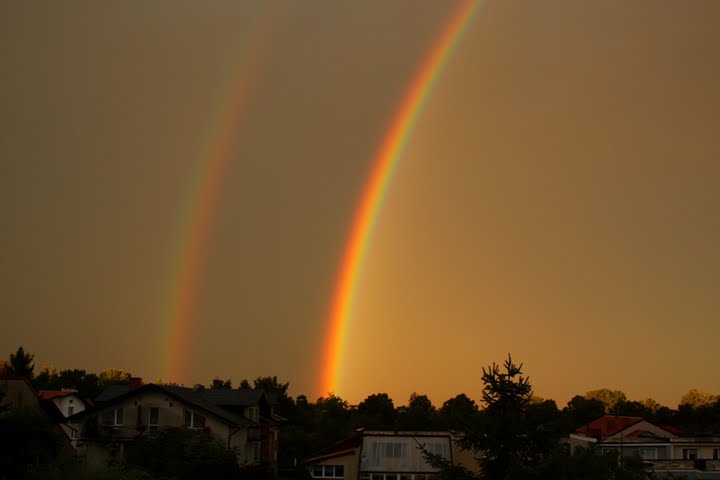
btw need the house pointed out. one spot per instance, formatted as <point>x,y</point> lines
<point>239,419</point>
<point>67,401</point>
<point>18,392</point>
<point>664,448</point>
<point>386,455</point>
<point>61,404</point>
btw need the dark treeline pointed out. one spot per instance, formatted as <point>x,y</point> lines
<point>310,426</point>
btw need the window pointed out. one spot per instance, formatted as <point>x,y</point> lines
<point>253,413</point>
<point>194,420</point>
<point>153,419</point>
<point>112,417</point>
<point>73,434</point>
<point>437,448</point>
<point>648,453</point>
<point>716,453</point>
<point>71,410</point>
<point>389,450</point>
<point>689,453</point>
<point>328,471</point>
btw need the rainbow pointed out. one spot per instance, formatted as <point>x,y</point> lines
<point>382,171</point>
<point>189,257</point>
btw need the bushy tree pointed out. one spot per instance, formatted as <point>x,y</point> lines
<point>459,413</point>
<point>47,379</point>
<point>697,398</point>
<point>181,454</point>
<point>611,399</point>
<point>581,411</point>
<point>376,411</point>
<point>27,440</point>
<point>420,414</point>
<point>113,376</point>
<point>21,363</point>
<point>220,384</point>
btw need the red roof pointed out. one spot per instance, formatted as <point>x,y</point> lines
<point>50,394</point>
<point>608,425</point>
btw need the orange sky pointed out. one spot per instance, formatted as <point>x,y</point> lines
<point>558,199</point>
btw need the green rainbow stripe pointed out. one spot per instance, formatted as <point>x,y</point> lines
<point>190,254</point>
<point>383,168</point>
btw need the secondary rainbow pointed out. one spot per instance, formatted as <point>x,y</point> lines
<point>382,170</point>
<point>189,257</point>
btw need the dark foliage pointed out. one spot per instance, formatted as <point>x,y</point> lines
<point>28,440</point>
<point>181,454</point>
<point>21,363</point>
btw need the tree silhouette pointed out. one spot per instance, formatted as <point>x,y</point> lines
<point>420,414</point>
<point>611,399</point>
<point>376,411</point>
<point>503,444</point>
<point>113,376</point>
<point>21,363</point>
<point>220,384</point>
<point>459,413</point>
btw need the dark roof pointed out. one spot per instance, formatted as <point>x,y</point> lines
<point>343,447</point>
<point>112,392</point>
<point>211,401</point>
<point>244,397</point>
<point>197,398</point>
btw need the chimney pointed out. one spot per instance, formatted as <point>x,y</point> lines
<point>135,382</point>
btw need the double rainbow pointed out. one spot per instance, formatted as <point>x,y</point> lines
<point>383,167</point>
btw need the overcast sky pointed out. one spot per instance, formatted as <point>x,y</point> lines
<point>558,199</point>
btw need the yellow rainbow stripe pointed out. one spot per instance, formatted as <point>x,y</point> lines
<point>383,167</point>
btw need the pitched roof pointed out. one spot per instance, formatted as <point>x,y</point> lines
<point>50,394</point>
<point>341,448</point>
<point>608,425</point>
<point>111,392</point>
<point>212,403</point>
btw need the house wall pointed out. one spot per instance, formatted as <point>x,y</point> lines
<point>396,454</point>
<point>704,449</point>
<point>349,463</point>
<point>171,413</point>
<point>464,458</point>
<point>18,393</point>
<point>64,403</point>
<point>642,425</point>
